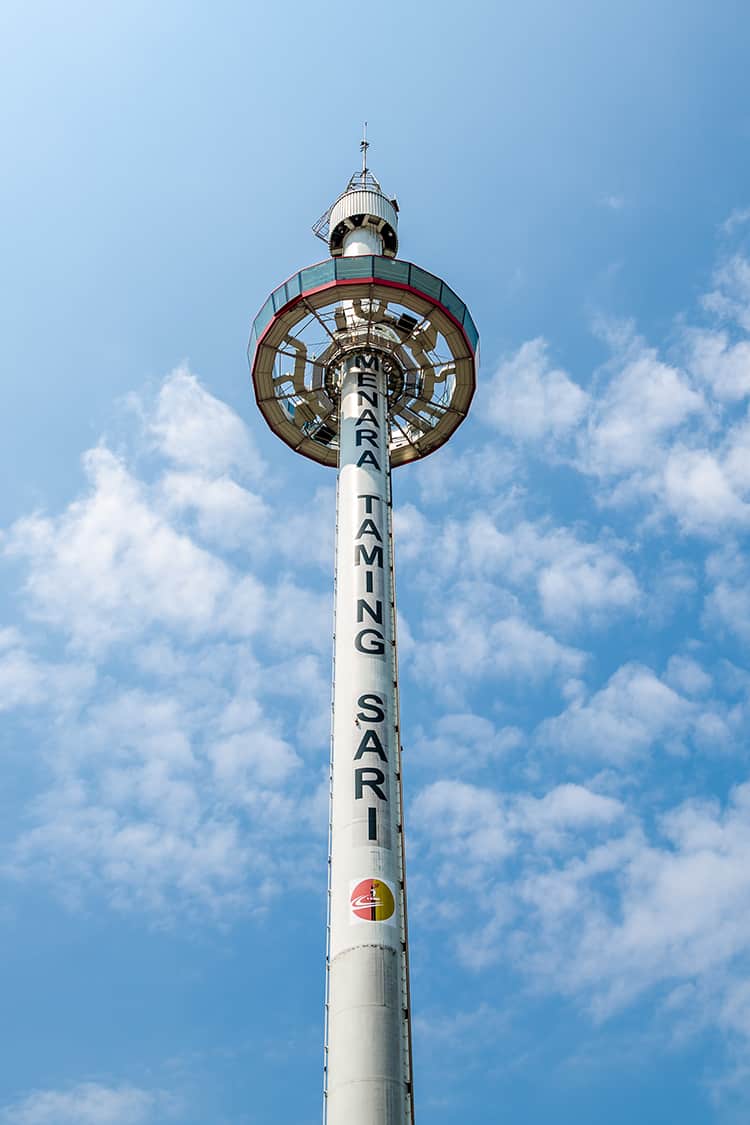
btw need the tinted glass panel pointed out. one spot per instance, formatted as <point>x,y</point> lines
<point>392,270</point>
<point>426,282</point>
<point>453,303</point>
<point>292,287</point>
<point>314,276</point>
<point>263,317</point>
<point>279,297</point>
<point>471,330</point>
<point>361,266</point>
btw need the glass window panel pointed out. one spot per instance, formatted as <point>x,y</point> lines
<point>390,269</point>
<point>264,317</point>
<point>426,282</point>
<point>279,297</point>
<point>359,266</point>
<point>314,276</point>
<point>471,330</point>
<point>452,302</point>
<point>293,287</point>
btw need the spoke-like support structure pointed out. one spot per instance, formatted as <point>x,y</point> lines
<point>324,312</point>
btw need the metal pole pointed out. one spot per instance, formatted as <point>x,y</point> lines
<point>368,1072</point>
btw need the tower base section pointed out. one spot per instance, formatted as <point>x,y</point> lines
<point>366,1083</point>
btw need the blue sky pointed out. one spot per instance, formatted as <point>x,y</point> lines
<point>572,569</point>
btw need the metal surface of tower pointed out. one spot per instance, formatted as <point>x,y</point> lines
<point>365,362</point>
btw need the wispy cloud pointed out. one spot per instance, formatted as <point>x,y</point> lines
<point>530,400</point>
<point>92,1104</point>
<point>613,202</point>
<point>170,778</point>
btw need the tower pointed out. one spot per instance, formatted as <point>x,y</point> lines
<point>365,362</point>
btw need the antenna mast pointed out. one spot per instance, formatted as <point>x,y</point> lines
<point>364,144</point>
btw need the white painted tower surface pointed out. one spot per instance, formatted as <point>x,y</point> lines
<point>365,362</point>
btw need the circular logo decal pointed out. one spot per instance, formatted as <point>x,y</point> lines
<point>372,900</point>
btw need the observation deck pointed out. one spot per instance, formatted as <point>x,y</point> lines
<point>364,303</point>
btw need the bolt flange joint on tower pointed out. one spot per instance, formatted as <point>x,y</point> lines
<point>365,362</point>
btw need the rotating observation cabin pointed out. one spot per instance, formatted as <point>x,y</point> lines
<point>364,362</point>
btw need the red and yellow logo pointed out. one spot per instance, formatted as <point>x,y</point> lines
<point>372,901</point>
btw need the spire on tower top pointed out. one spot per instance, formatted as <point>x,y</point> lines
<point>364,144</point>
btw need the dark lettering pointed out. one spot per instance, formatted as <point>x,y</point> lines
<point>368,458</point>
<point>373,780</point>
<point>368,361</point>
<point>369,582</point>
<point>374,558</point>
<point>376,614</point>
<point>370,744</point>
<point>368,528</point>
<point>370,436</point>
<point>375,647</point>
<point>372,823</point>
<point>368,499</point>
<point>371,702</point>
<point>371,398</point>
<point>367,416</point>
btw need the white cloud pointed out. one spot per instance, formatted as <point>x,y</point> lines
<point>304,533</point>
<point>469,649</point>
<point>170,801</point>
<point>698,492</point>
<point>21,680</point>
<point>171,789</point>
<point>577,582</point>
<point>225,513</point>
<point>460,1031</point>
<point>530,400</point>
<point>623,720</point>
<point>474,838</point>
<point>191,427</point>
<point>729,605</point>
<point>585,582</point>
<point>473,824</point>
<point>720,365</point>
<point>648,433</point>
<point>487,470</point>
<point>27,681</point>
<point>738,218</point>
<point>518,649</point>
<point>250,758</point>
<point>728,602</point>
<point>111,564</point>
<point>736,464</point>
<point>411,530</point>
<point>464,742</point>
<point>601,911</point>
<point>485,824</point>
<point>566,807</point>
<point>730,297</point>
<point>92,1104</point>
<point>684,905</point>
<point>686,675</point>
<point>670,438</point>
<point>10,637</point>
<point>289,617</point>
<point>613,202</point>
<point>644,402</point>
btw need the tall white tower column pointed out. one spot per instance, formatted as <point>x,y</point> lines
<point>368,1050</point>
<point>365,362</point>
